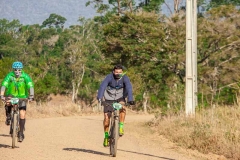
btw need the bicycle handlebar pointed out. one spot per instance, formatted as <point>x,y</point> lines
<point>7,99</point>
<point>110,104</point>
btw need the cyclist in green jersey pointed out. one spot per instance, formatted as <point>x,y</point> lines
<point>17,84</point>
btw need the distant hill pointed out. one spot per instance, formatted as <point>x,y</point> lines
<point>36,11</point>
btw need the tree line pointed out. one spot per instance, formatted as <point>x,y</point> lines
<point>73,61</point>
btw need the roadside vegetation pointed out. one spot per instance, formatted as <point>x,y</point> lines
<point>214,130</point>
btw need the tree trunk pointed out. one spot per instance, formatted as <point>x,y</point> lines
<point>130,6</point>
<point>176,5</point>
<point>73,92</point>
<point>119,7</point>
<point>76,84</point>
<point>145,101</point>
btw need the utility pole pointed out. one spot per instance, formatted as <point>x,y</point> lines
<point>191,58</point>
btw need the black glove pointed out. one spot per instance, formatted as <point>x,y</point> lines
<point>131,102</point>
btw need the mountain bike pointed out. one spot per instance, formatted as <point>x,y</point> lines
<point>14,125</point>
<point>114,129</point>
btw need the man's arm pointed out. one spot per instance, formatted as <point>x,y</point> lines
<point>31,92</point>
<point>30,85</point>
<point>103,86</point>
<point>128,87</point>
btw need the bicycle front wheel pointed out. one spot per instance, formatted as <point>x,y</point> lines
<point>14,129</point>
<point>114,138</point>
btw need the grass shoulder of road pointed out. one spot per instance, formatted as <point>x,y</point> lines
<point>152,137</point>
<point>210,131</point>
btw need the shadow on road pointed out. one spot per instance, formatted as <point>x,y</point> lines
<point>85,151</point>
<point>5,135</point>
<point>6,146</point>
<point>92,119</point>
<point>146,154</point>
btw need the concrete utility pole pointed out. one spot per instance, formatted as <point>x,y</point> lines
<point>191,57</point>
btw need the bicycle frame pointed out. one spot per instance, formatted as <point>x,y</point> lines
<point>114,129</point>
<point>15,117</point>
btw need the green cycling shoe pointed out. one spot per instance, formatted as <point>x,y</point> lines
<point>121,131</point>
<point>105,142</point>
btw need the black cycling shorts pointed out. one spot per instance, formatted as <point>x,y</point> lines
<point>23,108</point>
<point>108,104</point>
<point>23,105</point>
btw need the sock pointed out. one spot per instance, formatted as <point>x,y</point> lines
<point>106,135</point>
<point>8,110</point>
<point>22,124</point>
<point>121,124</point>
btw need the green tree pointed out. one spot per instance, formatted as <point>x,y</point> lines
<point>216,3</point>
<point>6,66</point>
<point>9,38</point>
<point>151,5</point>
<point>78,49</point>
<point>123,6</point>
<point>54,20</point>
<point>136,41</point>
<point>218,52</point>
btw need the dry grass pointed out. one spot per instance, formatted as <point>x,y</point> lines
<point>211,131</point>
<point>57,107</point>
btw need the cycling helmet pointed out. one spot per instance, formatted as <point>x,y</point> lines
<point>17,65</point>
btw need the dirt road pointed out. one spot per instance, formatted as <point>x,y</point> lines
<point>73,138</point>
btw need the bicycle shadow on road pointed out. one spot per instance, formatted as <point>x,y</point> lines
<point>5,135</point>
<point>146,154</point>
<point>6,146</point>
<point>86,151</point>
<point>92,119</point>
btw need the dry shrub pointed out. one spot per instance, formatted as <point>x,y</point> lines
<point>210,131</point>
<point>50,109</point>
<point>57,106</point>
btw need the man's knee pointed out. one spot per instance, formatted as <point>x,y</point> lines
<point>22,113</point>
<point>123,107</point>
<point>123,110</point>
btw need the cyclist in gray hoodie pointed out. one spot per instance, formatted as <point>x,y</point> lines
<point>116,87</point>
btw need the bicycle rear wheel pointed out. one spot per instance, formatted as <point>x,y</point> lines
<point>114,138</point>
<point>14,129</point>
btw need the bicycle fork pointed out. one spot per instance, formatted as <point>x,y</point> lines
<point>12,119</point>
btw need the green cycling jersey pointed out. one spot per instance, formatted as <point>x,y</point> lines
<point>17,87</point>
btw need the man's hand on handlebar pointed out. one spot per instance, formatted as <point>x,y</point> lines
<point>31,98</point>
